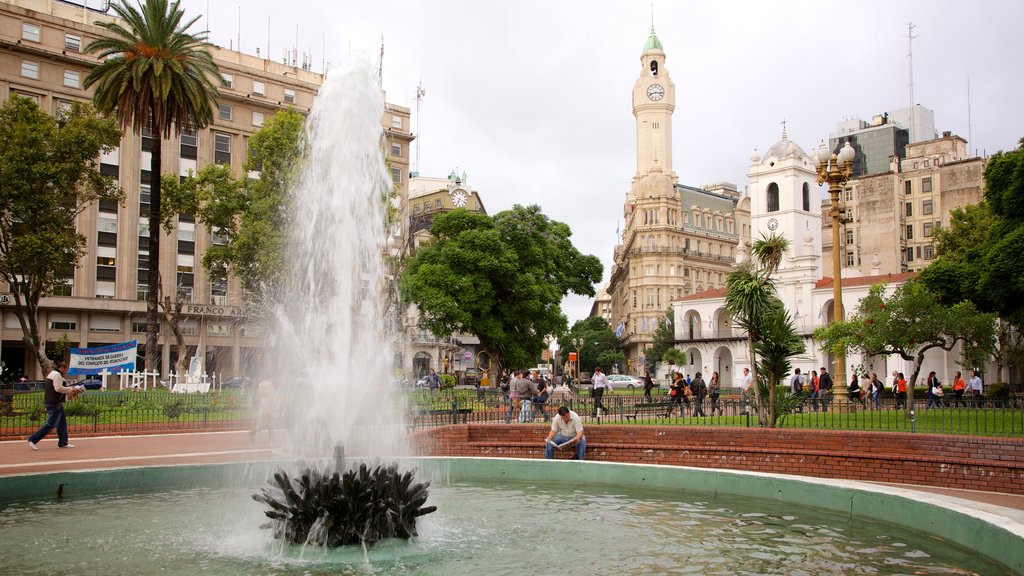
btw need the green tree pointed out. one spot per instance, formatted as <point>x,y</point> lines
<point>155,76</point>
<point>600,346</point>
<point>661,341</point>
<point>909,323</point>
<point>248,215</point>
<point>499,278</point>
<point>755,308</point>
<point>48,175</point>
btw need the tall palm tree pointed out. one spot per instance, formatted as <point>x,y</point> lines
<point>155,76</point>
<point>750,299</point>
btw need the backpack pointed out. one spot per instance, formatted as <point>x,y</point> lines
<point>798,383</point>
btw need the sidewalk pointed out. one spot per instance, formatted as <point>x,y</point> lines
<point>107,452</point>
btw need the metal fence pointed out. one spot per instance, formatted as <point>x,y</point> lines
<point>985,417</point>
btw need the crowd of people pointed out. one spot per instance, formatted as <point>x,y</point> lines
<point>867,389</point>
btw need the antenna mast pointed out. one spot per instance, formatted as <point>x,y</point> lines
<point>969,138</point>
<point>380,64</point>
<point>910,59</point>
<point>420,93</point>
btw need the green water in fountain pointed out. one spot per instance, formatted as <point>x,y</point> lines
<point>484,528</point>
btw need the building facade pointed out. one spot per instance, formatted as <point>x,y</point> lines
<point>677,239</point>
<point>891,217</point>
<point>419,351</point>
<point>41,57</point>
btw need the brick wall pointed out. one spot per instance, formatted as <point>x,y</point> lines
<point>977,463</point>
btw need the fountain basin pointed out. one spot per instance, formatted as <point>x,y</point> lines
<point>601,497</point>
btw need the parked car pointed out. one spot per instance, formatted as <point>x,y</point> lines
<point>29,385</point>
<point>625,380</point>
<point>91,383</point>
<point>422,383</point>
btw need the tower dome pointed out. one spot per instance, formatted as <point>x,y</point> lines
<point>652,42</point>
<point>783,149</point>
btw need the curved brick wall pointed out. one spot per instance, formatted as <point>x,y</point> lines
<point>976,463</point>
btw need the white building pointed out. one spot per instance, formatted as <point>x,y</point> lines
<point>784,199</point>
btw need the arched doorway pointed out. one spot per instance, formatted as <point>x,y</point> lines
<point>722,363</point>
<point>694,362</point>
<point>420,365</point>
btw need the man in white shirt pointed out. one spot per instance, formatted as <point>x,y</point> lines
<point>566,432</point>
<point>975,387</point>
<point>748,383</point>
<point>54,394</point>
<point>600,382</point>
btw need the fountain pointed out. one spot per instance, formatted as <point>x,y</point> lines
<point>494,515</point>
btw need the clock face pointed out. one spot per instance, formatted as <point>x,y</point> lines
<point>459,198</point>
<point>773,224</point>
<point>655,92</point>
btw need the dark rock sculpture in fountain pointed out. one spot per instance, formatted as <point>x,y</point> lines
<point>337,506</point>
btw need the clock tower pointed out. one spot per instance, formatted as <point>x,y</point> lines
<point>654,100</point>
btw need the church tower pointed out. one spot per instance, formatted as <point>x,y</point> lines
<point>654,100</point>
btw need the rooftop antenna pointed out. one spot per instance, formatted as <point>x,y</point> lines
<point>239,27</point>
<point>969,137</point>
<point>420,93</point>
<point>380,64</point>
<point>910,59</point>
<point>269,57</point>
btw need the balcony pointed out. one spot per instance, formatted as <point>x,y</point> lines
<point>678,251</point>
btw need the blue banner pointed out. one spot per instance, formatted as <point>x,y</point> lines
<point>113,358</point>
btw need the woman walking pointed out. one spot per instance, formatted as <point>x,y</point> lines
<point>714,388</point>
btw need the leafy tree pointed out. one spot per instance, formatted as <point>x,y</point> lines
<point>248,214</point>
<point>600,345</point>
<point>755,307</point>
<point>155,76</point>
<point>499,278</point>
<point>909,323</point>
<point>48,175</point>
<point>661,341</point>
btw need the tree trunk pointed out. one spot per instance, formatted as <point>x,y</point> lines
<point>28,318</point>
<point>755,382</point>
<point>153,276</point>
<point>918,362</point>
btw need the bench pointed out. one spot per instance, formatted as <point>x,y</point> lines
<point>432,415</point>
<point>647,408</point>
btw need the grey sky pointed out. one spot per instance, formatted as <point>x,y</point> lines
<point>532,99</point>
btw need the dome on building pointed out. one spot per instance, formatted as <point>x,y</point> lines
<point>652,42</point>
<point>783,149</point>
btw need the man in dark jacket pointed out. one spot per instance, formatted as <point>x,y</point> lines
<point>53,399</point>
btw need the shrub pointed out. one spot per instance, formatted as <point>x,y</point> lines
<point>175,408</point>
<point>81,408</point>
<point>447,381</point>
<point>998,391</point>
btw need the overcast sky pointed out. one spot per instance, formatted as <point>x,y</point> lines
<point>532,98</point>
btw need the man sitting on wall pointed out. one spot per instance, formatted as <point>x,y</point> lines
<point>566,432</point>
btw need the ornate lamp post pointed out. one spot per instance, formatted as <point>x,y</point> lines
<point>577,343</point>
<point>835,169</point>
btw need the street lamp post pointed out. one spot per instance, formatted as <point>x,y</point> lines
<point>577,343</point>
<point>835,169</point>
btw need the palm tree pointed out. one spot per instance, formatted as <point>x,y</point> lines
<point>155,76</point>
<point>750,299</point>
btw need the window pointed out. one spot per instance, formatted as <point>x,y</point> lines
<point>634,298</point>
<point>72,79</point>
<point>219,291</point>
<point>926,207</point>
<point>289,95</point>
<point>60,323</point>
<point>64,288</point>
<point>910,232</point>
<point>185,295</point>
<point>72,43</point>
<point>910,208</point>
<point>189,327</point>
<point>138,327</point>
<point>187,231</point>
<point>926,183</point>
<point>144,196</point>
<point>189,145</point>
<point>259,88</point>
<point>218,329</point>
<point>225,112</point>
<point>848,195</point>
<point>105,289</point>
<point>217,237</point>
<point>257,118</point>
<point>927,230</point>
<point>30,32</point>
<point>396,175</point>
<point>30,70</point>
<point>227,80</point>
<point>33,97</point>
<point>221,148</point>
<point>850,259</point>
<point>773,197</point>
<point>929,252</point>
<point>849,236</point>
<point>925,165</point>
<point>908,187</point>
<point>806,196</point>
<point>437,204</point>
<point>396,150</point>
<point>141,292</point>
<point>396,122</point>
<point>910,254</point>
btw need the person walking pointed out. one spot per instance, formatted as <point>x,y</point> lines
<point>853,392</point>
<point>433,381</point>
<point>676,393</point>
<point>648,386</point>
<point>813,385</point>
<point>601,384</point>
<point>54,395</point>
<point>959,386</point>
<point>699,390</point>
<point>748,390</point>
<point>824,388</point>
<point>976,388</point>
<point>527,390</point>
<point>876,390</point>
<point>714,390</point>
<point>901,390</point>
<point>933,384</point>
